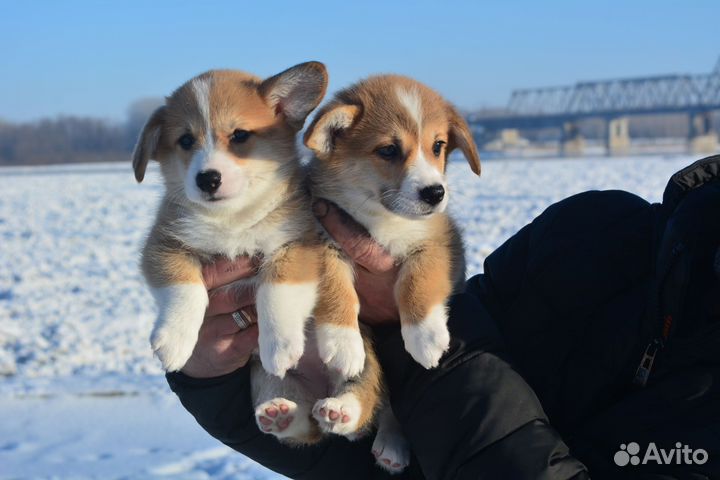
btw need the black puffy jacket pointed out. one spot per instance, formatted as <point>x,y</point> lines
<point>542,379</point>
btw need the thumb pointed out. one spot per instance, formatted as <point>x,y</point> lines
<point>353,238</point>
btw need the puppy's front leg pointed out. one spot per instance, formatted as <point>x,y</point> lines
<point>175,280</point>
<point>339,342</point>
<point>421,292</point>
<point>285,300</point>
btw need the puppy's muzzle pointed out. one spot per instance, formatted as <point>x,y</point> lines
<point>433,194</point>
<point>208,181</point>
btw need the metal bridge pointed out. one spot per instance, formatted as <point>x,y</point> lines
<point>695,95</point>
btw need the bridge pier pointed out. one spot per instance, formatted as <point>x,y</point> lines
<point>572,143</point>
<point>504,140</point>
<point>510,137</point>
<point>618,136</point>
<point>702,137</point>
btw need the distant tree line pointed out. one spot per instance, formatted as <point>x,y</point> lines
<point>69,139</point>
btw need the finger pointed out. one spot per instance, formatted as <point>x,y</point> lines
<point>224,325</point>
<point>229,298</point>
<point>224,271</point>
<point>245,341</point>
<point>353,238</point>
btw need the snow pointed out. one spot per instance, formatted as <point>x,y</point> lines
<point>124,436</point>
<point>81,395</point>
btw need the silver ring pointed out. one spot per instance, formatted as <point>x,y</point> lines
<point>242,319</point>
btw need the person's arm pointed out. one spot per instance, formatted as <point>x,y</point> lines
<point>214,386</point>
<point>473,416</point>
<point>222,406</point>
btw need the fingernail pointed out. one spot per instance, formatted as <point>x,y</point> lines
<point>320,208</point>
<point>251,312</point>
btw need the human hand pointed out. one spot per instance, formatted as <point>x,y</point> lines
<point>222,347</point>
<point>375,270</point>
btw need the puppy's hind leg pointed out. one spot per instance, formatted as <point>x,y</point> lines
<point>351,409</point>
<point>390,447</point>
<point>282,407</point>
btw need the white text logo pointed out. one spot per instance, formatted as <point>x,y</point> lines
<point>680,455</point>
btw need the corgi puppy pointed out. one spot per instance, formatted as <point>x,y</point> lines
<point>381,148</point>
<point>226,145</point>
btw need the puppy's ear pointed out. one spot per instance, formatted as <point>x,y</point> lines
<point>296,91</point>
<point>147,143</point>
<point>331,120</point>
<point>461,137</point>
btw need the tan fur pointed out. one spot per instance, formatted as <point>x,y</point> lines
<point>165,263</point>
<point>310,437</point>
<point>296,263</point>
<point>369,386</point>
<point>424,282</point>
<point>339,303</point>
<point>147,145</point>
<point>339,118</point>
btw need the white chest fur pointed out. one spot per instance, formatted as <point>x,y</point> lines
<point>399,235</point>
<point>228,236</point>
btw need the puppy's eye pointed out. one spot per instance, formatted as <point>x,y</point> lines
<point>240,136</point>
<point>186,142</point>
<point>437,147</point>
<point>389,152</point>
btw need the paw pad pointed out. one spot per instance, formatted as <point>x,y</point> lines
<point>335,416</point>
<point>275,416</point>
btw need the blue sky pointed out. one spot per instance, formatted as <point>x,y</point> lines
<point>96,57</point>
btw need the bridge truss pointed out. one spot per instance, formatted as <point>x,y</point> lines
<point>609,98</point>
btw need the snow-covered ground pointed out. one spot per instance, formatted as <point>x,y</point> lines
<point>81,395</point>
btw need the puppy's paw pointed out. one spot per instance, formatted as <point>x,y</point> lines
<point>283,310</point>
<point>182,308</point>
<point>278,417</point>
<point>173,345</point>
<point>427,340</point>
<point>279,354</point>
<point>338,415</point>
<point>391,451</point>
<point>341,349</point>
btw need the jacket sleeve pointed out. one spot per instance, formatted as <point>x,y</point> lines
<point>473,416</point>
<point>222,406</point>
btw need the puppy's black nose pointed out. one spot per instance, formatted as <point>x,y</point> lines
<point>208,181</point>
<point>433,194</point>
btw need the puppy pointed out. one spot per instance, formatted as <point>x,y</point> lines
<point>225,141</point>
<point>381,149</point>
